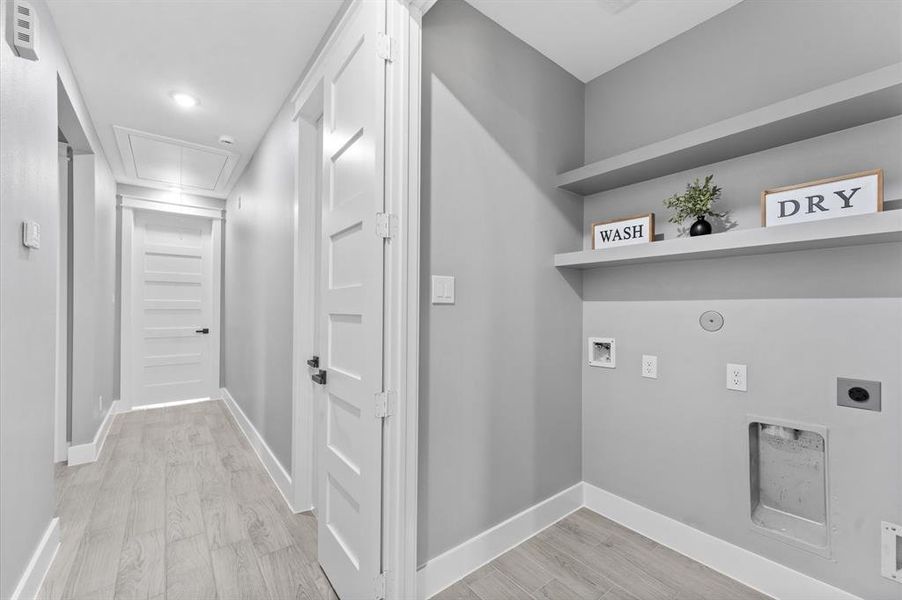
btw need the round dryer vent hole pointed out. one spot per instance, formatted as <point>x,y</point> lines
<point>711,320</point>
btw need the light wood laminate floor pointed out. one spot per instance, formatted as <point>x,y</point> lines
<point>587,557</point>
<point>179,507</point>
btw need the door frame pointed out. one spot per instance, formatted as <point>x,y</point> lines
<point>128,205</point>
<point>63,306</point>
<point>402,272</point>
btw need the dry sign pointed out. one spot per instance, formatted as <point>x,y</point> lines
<point>856,194</point>
<point>623,232</point>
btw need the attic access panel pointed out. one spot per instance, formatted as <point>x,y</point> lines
<point>157,161</point>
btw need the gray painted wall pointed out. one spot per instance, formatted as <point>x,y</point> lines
<point>95,331</point>
<point>257,286</point>
<point>678,444</point>
<point>500,392</point>
<point>756,53</point>
<point>29,190</point>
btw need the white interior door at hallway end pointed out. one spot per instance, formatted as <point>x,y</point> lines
<point>351,308</point>
<point>173,312</point>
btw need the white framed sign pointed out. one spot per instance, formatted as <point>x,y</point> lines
<point>847,195</point>
<point>623,232</point>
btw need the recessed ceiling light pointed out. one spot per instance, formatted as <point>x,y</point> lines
<point>184,100</point>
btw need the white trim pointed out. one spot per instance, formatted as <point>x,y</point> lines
<point>753,570</point>
<point>170,404</point>
<point>458,562</point>
<point>61,345</point>
<point>314,72</point>
<point>272,465</point>
<point>123,136</point>
<point>305,238</point>
<point>136,203</point>
<point>126,266</point>
<point>128,205</point>
<point>80,454</point>
<point>33,577</point>
<point>402,169</point>
<point>420,7</point>
<point>216,296</point>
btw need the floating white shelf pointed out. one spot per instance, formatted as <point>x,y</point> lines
<point>870,97</point>
<point>846,231</point>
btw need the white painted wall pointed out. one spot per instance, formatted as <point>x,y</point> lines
<point>29,190</point>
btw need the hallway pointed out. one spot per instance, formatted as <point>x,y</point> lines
<point>178,506</point>
<point>450,299</point>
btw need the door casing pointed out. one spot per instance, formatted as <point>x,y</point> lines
<point>63,308</point>
<point>128,206</point>
<point>402,199</point>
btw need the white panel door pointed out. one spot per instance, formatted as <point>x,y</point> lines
<point>172,296</point>
<point>351,301</point>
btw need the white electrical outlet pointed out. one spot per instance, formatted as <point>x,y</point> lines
<point>649,366</point>
<point>737,378</point>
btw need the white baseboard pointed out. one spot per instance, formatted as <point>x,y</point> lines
<point>766,576</point>
<point>166,404</point>
<point>31,580</point>
<point>458,562</point>
<point>272,465</point>
<point>755,571</point>
<point>86,453</point>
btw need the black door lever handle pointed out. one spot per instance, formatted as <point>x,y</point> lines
<point>313,362</point>
<point>204,330</point>
<point>319,377</point>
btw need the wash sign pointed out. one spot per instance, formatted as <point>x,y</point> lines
<point>623,232</point>
<point>856,194</point>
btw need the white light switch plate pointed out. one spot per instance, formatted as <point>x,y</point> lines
<point>891,551</point>
<point>649,366</point>
<point>31,234</point>
<point>737,378</point>
<point>442,289</point>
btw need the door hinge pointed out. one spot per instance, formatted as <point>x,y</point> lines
<point>386,225</point>
<point>384,402</point>
<point>385,47</point>
<point>379,586</point>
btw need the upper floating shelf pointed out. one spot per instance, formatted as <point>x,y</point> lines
<point>845,231</point>
<point>870,97</point>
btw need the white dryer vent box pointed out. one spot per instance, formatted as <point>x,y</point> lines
<point>22,29</point>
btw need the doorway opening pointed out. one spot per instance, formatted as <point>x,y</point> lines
<point>76,183</point>
<point>171,280</point>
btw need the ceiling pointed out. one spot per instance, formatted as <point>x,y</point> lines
<point>590,37</point>
<point>239,59</point>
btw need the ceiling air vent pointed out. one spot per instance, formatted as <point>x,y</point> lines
<point>21,30</point>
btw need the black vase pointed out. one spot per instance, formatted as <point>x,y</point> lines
<point>700,227</point>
